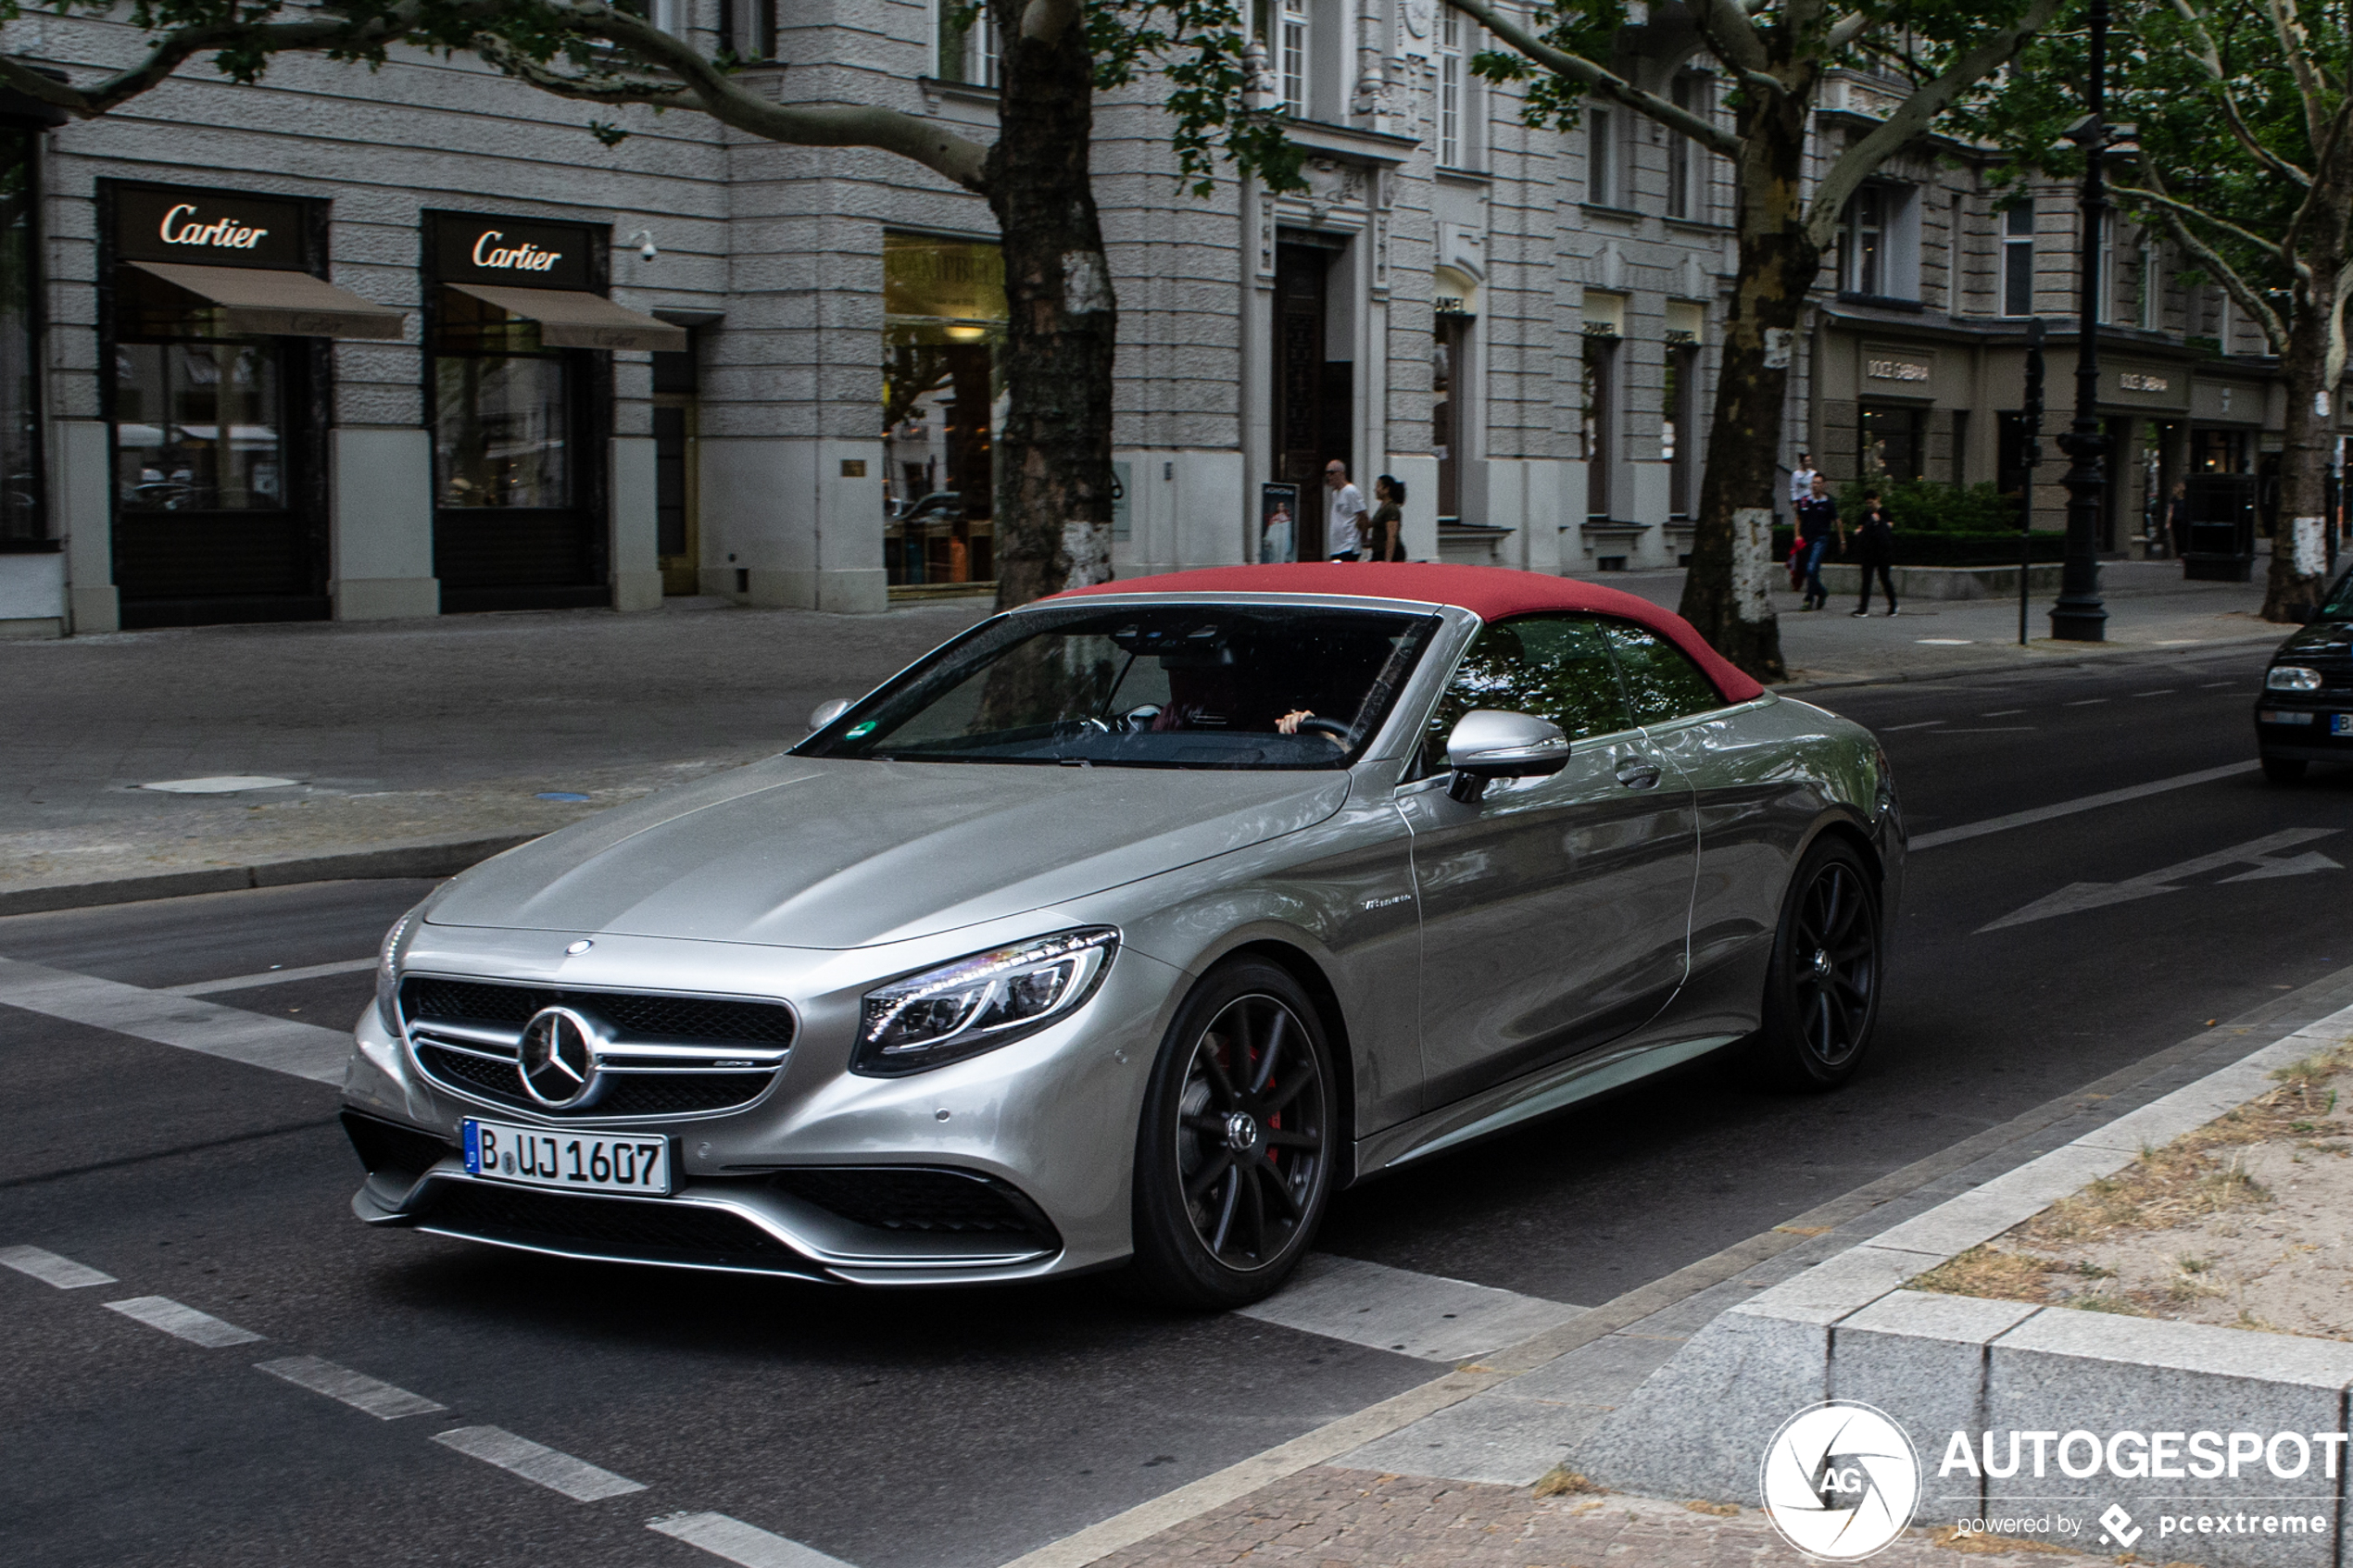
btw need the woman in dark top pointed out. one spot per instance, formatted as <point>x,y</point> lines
<point>1389,520</point>
<point>1874,551</point>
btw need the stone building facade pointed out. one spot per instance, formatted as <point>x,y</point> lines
<point>767,372</point>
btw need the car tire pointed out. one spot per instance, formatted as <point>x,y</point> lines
<point>2283,770</point>
<point>1822,993</point>
<point>1234,1157</point>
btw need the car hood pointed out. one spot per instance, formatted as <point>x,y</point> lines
<point>819,852</point>
<point>2318,638</point>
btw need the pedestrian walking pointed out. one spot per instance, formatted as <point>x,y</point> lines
<point>1874,551</point>
<point>1389,518</point>
<point>1801,481</point>
<point>2177,518</point>
<point>1344,535</point>
<point>1818,524</point>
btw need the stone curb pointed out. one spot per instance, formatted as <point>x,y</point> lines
<point>1849,1329</point>
<point>375,861</point>
<point>2004,666</point>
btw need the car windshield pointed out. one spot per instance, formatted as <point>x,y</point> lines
<point>2339,604</point>
<point>1144,686</point>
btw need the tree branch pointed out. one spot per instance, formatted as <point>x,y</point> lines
<point>1731,35</point>
<point>2210,59</point>
<point>1599,81</point>
<point>173,49</point>
<point>1044,21</point>
<point>2206,256</point>
<point>713,91</point>
<point>2295,44</point>
<point>1912,117</point>
<point>2144,193</point>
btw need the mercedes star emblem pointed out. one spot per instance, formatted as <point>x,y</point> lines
<point>559,1058</point>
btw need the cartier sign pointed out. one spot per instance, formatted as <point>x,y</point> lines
<point>519,252</point>
<point>209,227</point>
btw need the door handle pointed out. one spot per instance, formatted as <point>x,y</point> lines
<point>1637,775</point>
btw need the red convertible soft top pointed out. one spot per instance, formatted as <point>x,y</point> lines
<point>1490,593</point>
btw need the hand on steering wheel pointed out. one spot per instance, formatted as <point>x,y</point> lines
<point>1301,719</point>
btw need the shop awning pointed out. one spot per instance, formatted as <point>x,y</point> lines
<point>255,299</point>
<point>573,319</point>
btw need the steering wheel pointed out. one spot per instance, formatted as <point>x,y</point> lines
<point>1331,727</point>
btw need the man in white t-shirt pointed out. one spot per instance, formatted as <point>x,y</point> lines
<point>1344,535</point>
<point>1801,480</point>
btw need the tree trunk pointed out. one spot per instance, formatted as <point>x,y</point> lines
<point>1727,592</point>
<point>1053,453</point>
<point>2299,550</point>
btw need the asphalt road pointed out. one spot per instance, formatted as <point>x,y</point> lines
<point>939,1430</point>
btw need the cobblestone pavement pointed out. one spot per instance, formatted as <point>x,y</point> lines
<point>1325,1517</point>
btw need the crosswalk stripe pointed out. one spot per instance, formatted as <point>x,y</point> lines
<point>182,1321</point>
<point>232,1033</point>
<point>575,1478</point>
<point>1408,1313</point>
<point>745,1544</point>
<point>356,1389</point>
<point>50,1269</point>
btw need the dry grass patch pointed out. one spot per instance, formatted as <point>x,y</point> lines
<point>1974,1543</point>
<point>1720,1510</point>
<point>2212,1187</point>
<point>1560,1483</point>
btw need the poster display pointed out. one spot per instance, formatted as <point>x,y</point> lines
<point>1277,523</point>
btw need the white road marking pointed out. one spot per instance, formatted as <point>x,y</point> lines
<point>1898,729</point>
<point>50,1269</point>
<point>184,1323</point>
<point>1945,642</point>
<point>2161,691</point>
<point>2069,807</point>
<point>1412,1314</point>
<point>2211,685</point>
<point>575,1478</point>
<point>2004,713</point>
<point>1996,730</point>
<point>303,1050</point>
<point>224,784</point>
<point>354,1388</point>
<point>739,1542</point>
<point>267,977</point>
<point>2084,702</point>
<point>2259,853</point>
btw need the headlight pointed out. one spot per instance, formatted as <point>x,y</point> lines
<point>388,973</point>
<point>2292,678</point>
<point>979,1003</point>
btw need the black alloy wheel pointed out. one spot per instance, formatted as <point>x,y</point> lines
<point>1821,998</point>
<point>1234,1159</point>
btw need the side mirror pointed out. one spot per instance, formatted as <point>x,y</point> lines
<point>826,712</point>
<point>1488,744</point>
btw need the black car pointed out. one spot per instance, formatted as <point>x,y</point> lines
<point>2305,712</point>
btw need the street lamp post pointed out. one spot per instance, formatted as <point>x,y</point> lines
<point>2079,616</point>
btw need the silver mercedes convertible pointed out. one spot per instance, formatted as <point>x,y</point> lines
<point>1128,926</point>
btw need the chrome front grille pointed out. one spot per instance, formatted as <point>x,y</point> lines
<point>657,1055</point>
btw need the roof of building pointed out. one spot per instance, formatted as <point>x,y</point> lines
<point>1491,593</point>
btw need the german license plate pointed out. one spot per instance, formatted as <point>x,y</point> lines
<point>576,1161</point>
<point>2341,723</point>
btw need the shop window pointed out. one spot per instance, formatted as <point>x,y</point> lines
<point>502,410</point>
<point>1678,428</point>
<point>1894,443</point>
<point>199,427</point>
<point>23,516</point>
<point>2018,260</point>
<point>943,401</point>
<point>1597,429</point>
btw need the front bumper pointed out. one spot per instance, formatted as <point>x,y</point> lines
<point>2297,725</point>
<point>1009,1165</point>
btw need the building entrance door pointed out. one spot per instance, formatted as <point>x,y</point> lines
<point>677,536</point>
<point>1313,392</point>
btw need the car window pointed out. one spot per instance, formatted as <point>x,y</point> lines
<point>1661,681</point>
<point>1556,667</point>
<point>2339,604</point>
<point>1150,685</point>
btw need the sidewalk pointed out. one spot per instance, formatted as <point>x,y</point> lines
<point>2150,609</point>
<point>456,730</point>
<point>1329,1517</point>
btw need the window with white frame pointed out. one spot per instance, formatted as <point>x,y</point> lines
<point>967,45</point>
<point>1452,95</point>
<point>2150,300</point>
<point>669,16</point>
<point>1291,46</point>
<point>2103,296</point>
<point>1686,168</point>
<point>1602,182</point>
<point>2018,260</point>
<point>1877,243</point>
<point>747,29</point>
